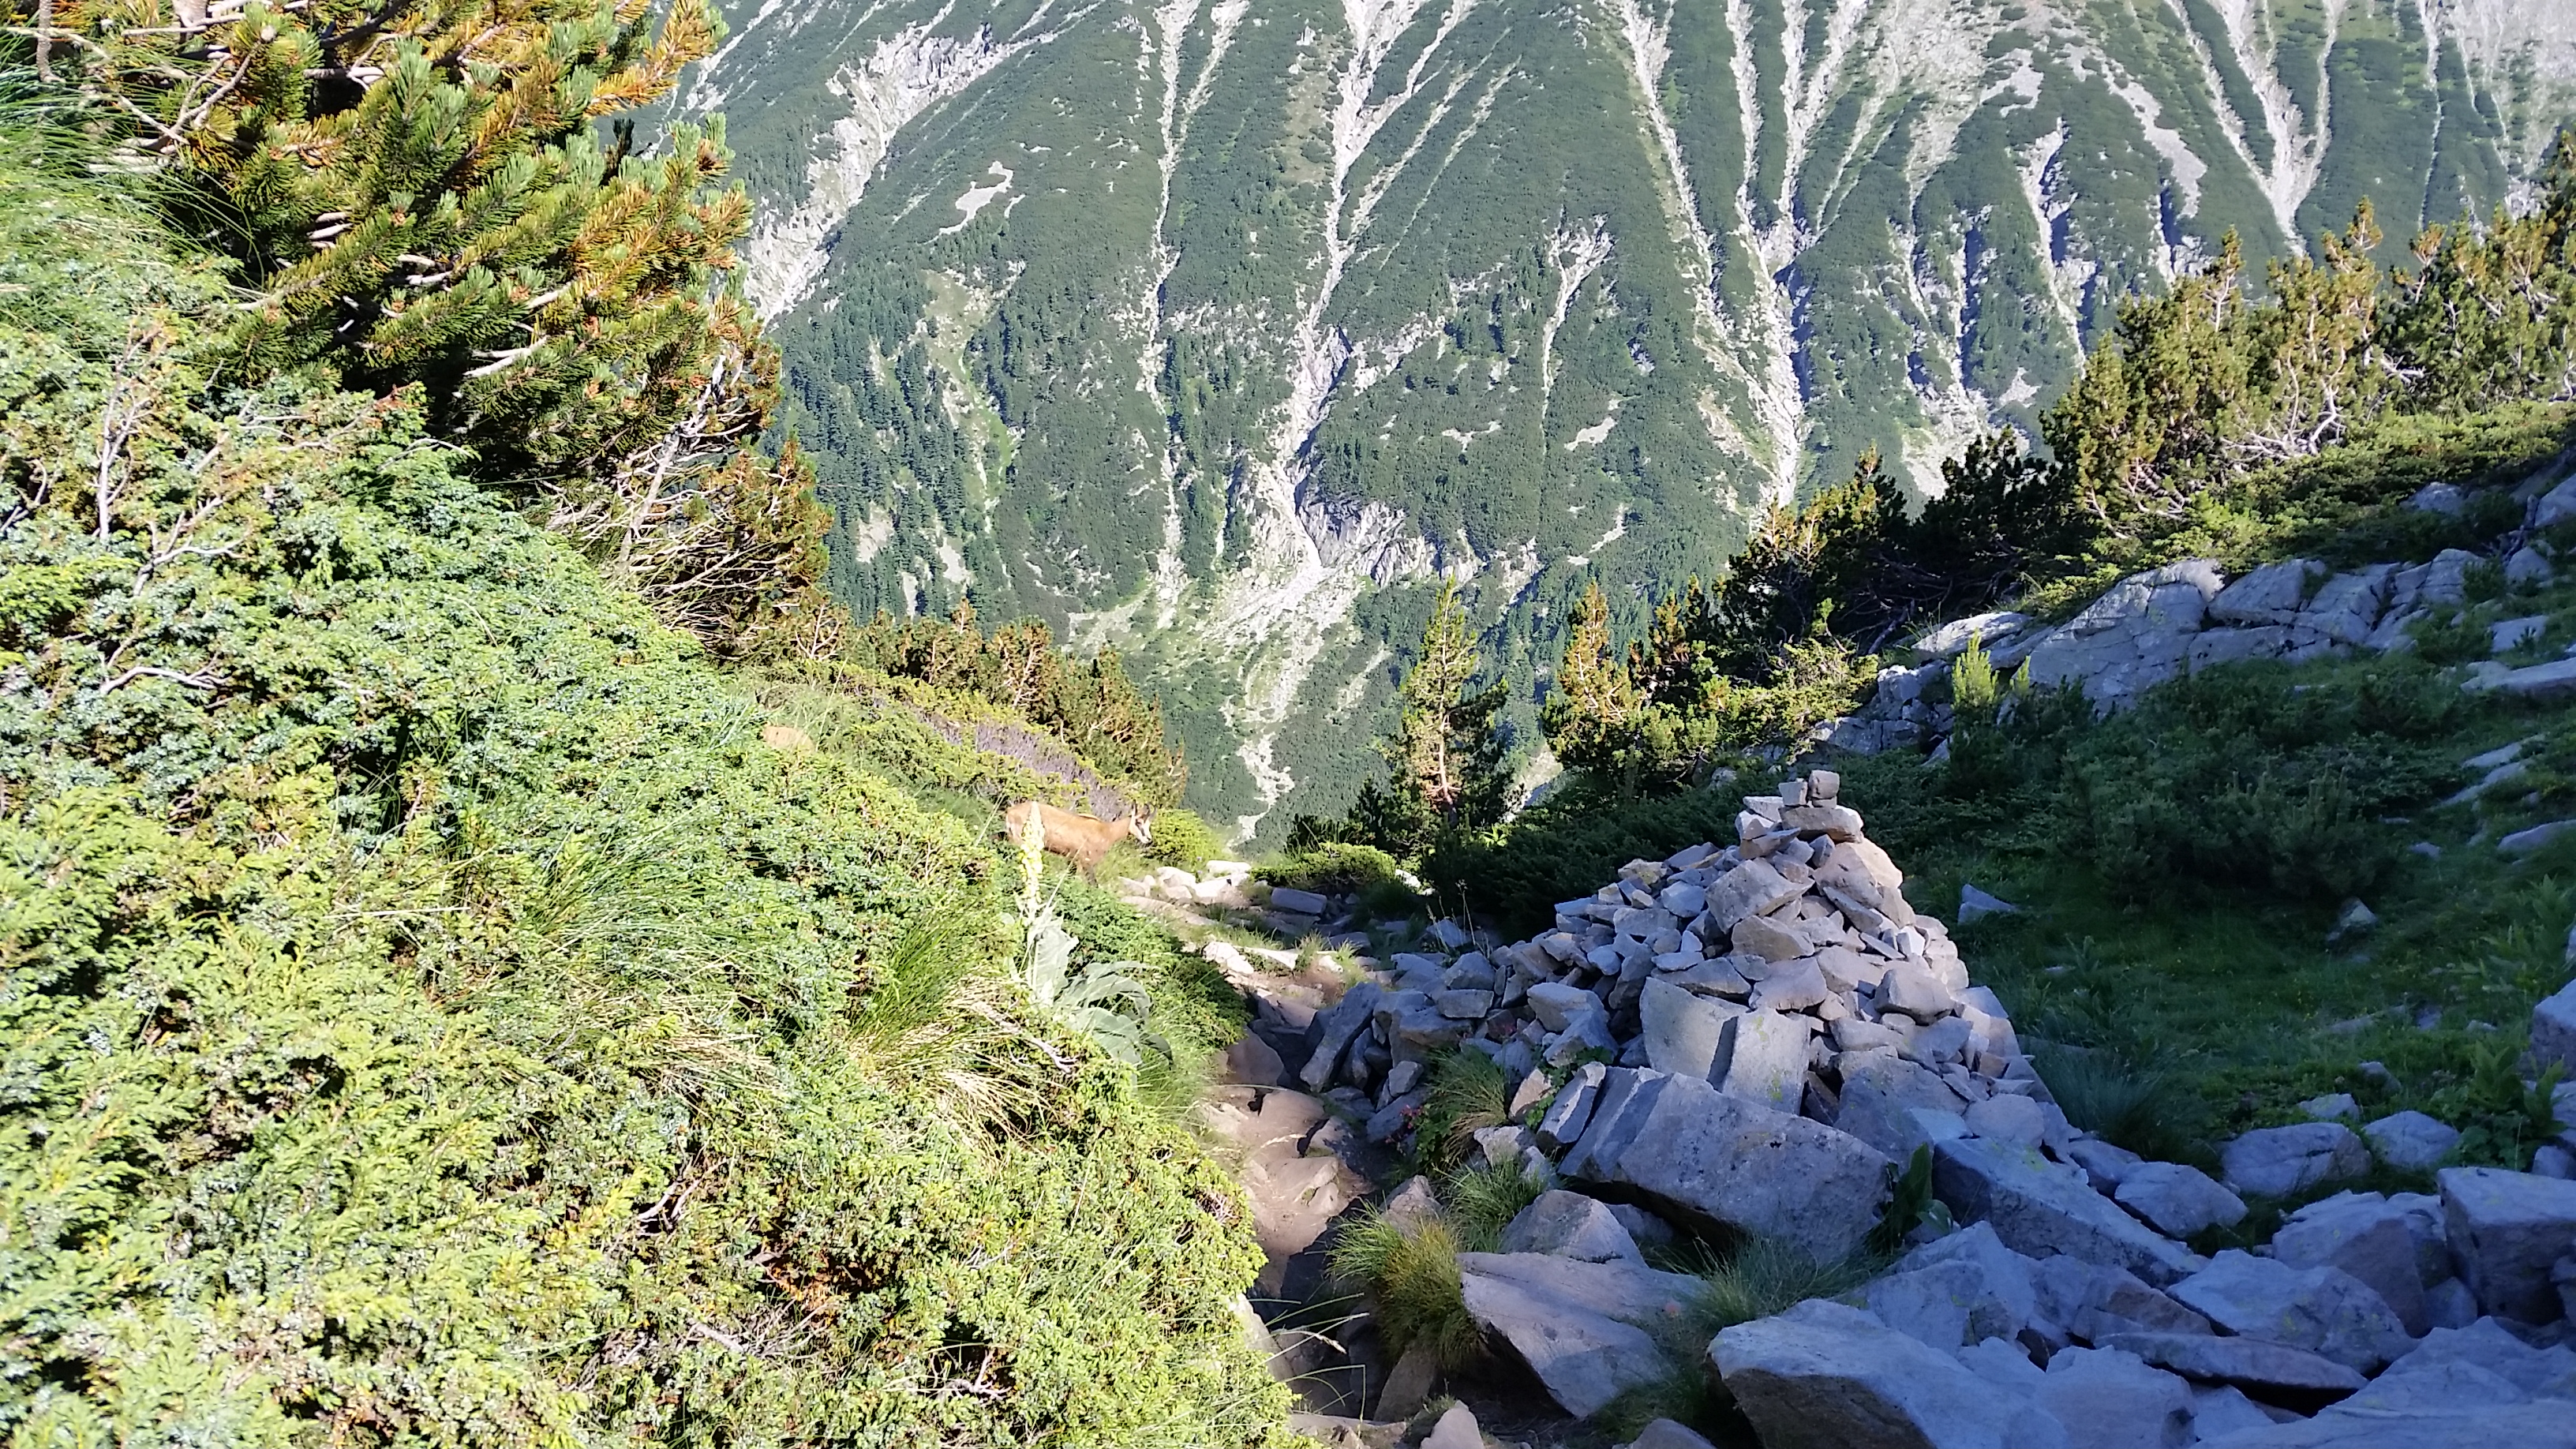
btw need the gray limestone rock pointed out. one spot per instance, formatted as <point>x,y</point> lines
<point>1699,1154</point>
<point>2364,1235</point>
<point>2522,1426</point>
<point>1764,937</point>
<point>1334,1028</point>
<point>2506,1229</point>
<point>1792,986</point>
<point>1828,1376</point>
<point>1916,992</point>
<point>2039,1207</point>
<point>2108,1399</point>
<point>1665,1434</point>
<point>2553,1030</point>
<point>1555,1004</point>
<point>2104,1164</point>
<point>1626,1094</point>
<point>1457,1429</point>
<point>2481,1364</point>
<point>2179,1201</point>
<point>1566,1117</point>
<point>2279,1161</point>
<point>2414,1142</point>
<point>1570,1225</point>
<point>2540,683</point>
<point>1880,1096</point>
<point>1762,1057</point>
<point>1580,1327</point>
<point>2324,1310</point>
<point>1961,1288</point>
<point>1751,889</point>
<point>2272,594</point>
<point>2132,638</point>
<point>2348,605</point>
<point>1683,1032</point>
<point>2249,1363</point>
<point>2008,1118</point>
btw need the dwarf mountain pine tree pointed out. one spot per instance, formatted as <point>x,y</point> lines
<point>1445,759</point>
<point>418,196</point>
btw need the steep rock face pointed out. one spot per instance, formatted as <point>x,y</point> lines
<point>1200,327</point>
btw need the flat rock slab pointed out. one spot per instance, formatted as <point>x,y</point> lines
<point>2515,1426</point>
<point>1828,1376</point>
<point>2178,1200</point>
<point>1576,1325</point>
<point>2323,1309</point>
<point>2039,1208</point>
<point>2249,1363</point>
<point>1700,1154</point>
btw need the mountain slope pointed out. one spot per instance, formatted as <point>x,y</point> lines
<point>1208,330</point>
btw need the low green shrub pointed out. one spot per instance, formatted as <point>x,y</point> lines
<point>436,1017</point>
<point>1183,839</point>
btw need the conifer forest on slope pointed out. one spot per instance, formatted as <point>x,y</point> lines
<point>1214,331</point>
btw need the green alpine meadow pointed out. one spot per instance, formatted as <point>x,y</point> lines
<point>1442,724</point>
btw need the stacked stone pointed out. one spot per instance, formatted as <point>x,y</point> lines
<point>1782,975</point>
<point>1751,1040</point>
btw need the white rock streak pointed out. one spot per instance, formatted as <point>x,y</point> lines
<point>1308,565</point>
<point>1574,256</point>
<point>910,71</point>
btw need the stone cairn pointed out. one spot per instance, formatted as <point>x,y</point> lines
<point>1751,1041</point>
<point>1782,976</point>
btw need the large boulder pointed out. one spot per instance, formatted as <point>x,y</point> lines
<point>1701,1155</point>
<point>2092,1301</point>
<point>2506,1230</point>
<point>1825,1375</point>
<point>2413,1142</point>
<point>2458,1426</point>
<point>2482,1363</point>
<point>1580,1327</point>
<point>2272,594</point>
<point>1751,889</point>
<point>2133,637</point>
<point>2280,1161</point>
<point>1334,1028</point>
<point>2039,1207</point>
<point>2324,1310</point>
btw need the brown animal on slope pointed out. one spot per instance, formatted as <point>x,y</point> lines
<point>1082,839</point>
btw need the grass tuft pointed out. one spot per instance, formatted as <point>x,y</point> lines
<point>1411,1271</point>
<point>1483,1200</point>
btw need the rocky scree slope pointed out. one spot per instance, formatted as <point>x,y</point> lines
<point>1748,1041</point>
<point>1205,327</point>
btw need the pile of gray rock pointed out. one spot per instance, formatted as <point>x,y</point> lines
<point>2160,624</point>
<point>1749,1042</point>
